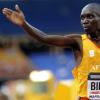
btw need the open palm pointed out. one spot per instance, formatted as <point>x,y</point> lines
<point>17,17</point>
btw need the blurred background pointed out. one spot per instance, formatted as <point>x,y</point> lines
<point>30,70</point>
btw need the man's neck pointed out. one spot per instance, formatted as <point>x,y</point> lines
<point>95,37</point>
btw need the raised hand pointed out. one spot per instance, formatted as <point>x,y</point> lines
<point>17,16</point>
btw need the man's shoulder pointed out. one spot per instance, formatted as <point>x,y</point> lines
<point>73,35</point>
<point>76,36</point>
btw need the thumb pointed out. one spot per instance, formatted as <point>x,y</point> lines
<point>17,8</point>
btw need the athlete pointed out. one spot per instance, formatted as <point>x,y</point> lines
<point>86,47</point>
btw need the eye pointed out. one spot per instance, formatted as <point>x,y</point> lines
<point>82,17</point>
<point>87,16</point>
<point>90,16</point>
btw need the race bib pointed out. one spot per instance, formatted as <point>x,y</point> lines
<point>94,86</point>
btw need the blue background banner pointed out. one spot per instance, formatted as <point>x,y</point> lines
<point>51,16</point>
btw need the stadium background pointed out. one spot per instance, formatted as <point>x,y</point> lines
<point>51,16</point>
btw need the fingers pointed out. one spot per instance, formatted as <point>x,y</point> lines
<point>7,11</point>
<point>17,8</point>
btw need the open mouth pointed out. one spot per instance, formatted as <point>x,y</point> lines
<point>86,26</point>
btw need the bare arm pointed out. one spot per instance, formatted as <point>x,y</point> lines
<point>18,18</point>
<point>57,40</point>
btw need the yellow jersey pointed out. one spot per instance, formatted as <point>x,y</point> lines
<point>90,63</point>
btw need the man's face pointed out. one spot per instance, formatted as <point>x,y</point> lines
<point>90,20</point>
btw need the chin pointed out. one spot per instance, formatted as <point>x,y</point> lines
<point>87,31</point>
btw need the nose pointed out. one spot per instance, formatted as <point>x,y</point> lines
<point>85,21</point>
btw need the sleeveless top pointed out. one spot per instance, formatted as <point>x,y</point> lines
<point>90,63</point>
